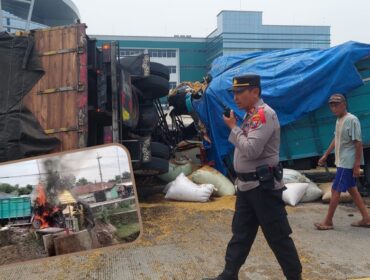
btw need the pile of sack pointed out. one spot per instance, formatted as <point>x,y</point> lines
<point>302,189</point>
<point>197,186</point>
<point>184,184</point>
<point>299,188</point>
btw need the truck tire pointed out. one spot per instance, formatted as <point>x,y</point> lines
<point>160,150</point>
<point>159,70</point>
<point>153,87</point>
<point>155,167</point>
<point>148,118</point>
<point>133,64</point>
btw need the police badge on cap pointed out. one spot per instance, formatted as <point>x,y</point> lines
<point>248,80</point>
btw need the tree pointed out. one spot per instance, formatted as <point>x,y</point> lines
<point>82,181</point>
<point>126,175</point>
<point>7,188</point>
<point>25,190</point>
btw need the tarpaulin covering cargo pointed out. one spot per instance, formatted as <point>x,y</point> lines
<point>294,83</point>
<point>20,69</point>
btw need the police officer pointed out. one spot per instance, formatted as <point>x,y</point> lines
<point>259,181</point>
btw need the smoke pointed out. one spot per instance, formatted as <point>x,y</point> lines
<point>58,178</point>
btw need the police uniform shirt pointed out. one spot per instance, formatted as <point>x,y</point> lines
<point>256,143</point>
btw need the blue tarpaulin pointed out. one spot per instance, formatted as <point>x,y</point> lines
<point>294,83</point>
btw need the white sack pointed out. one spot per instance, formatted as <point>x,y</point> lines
<point>294,193</point>
<point>175,170</point>
<point>312,193</point>
<point>294,176</point>
<point>209,175</point>
<point>183,189</point>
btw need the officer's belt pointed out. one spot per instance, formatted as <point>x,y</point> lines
<point>251,176</point>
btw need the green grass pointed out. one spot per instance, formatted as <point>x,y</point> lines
<point>121,209</point>
<point>125,231</point>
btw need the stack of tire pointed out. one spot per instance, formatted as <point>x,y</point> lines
<point>148,89</point>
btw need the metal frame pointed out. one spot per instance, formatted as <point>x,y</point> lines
<point>115,107</point>
<point>29,17</point>
<point>30,11</point>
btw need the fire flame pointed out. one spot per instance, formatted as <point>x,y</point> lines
<point>42,209</point>
<point>41,195</point>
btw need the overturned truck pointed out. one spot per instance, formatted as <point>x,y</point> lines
<point>59,91</point>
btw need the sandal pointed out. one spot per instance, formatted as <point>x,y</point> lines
<point>320,226</point>
<point>361,224</point>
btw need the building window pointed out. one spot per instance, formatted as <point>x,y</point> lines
<point>171,53</point>
<point>172,69</point>
<point>162,53</point>
<point>8,24</point>
<point>172,85</point>
<point>131,52</point>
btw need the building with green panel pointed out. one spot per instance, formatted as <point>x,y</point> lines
<point>189,59</point>
<point>184,56</point>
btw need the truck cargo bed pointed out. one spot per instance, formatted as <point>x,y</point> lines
<point>59,99</point>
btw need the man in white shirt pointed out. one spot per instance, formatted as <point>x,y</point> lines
<point>348,158</point>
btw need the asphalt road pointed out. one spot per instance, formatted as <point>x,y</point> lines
<point>187,241</point>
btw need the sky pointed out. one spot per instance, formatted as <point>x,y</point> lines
<point>349,20</point>
<point>114,161</point>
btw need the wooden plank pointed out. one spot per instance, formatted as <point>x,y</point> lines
<point>60,109</point>
<point>74,242</point>
<point>48,240</point>
<point>4,236</point>
<point>50,230</point>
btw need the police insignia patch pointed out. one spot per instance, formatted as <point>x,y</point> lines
<point>255,123</point>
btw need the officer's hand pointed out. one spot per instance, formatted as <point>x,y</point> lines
<point>230,122</point>
<point>322,161</point>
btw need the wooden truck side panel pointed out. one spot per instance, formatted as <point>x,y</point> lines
<point>59,99</point>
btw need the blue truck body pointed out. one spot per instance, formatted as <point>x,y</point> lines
<point>310,136</point>
<point>15,208</point>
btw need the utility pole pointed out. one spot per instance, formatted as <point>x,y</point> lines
<point>101,175</point>
<point>37,163</point>
<point>119,165</point>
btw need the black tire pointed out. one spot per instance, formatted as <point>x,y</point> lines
<point>160,150</point>
<point>155,167</point>
<point>153,87</point>
<point>148,118</point>
<point>133,64</point>
<point>159,70</point>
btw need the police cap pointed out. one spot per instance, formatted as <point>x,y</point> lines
<point>248,80</point>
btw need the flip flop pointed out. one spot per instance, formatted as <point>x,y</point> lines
<point>360,224</point>
<point>320,226</point>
